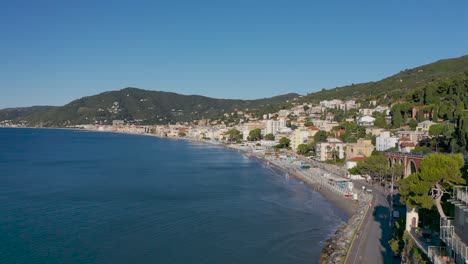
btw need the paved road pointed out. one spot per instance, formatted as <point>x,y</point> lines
<point>371,246</point>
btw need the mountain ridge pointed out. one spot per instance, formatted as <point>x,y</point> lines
<point>130,103</point>
<point>397,84</point>
<point>160,107</point>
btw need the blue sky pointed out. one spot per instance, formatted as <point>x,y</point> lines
<point>52,52</point>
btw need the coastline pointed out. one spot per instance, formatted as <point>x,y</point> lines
<point>344,205</point>
<point>333,248</point>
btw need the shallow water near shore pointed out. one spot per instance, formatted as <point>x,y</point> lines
<point>84,197</point>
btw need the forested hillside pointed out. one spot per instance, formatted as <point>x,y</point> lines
<point>143,106</point>
<point>396,86</point>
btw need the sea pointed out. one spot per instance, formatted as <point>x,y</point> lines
<point>73,196</point>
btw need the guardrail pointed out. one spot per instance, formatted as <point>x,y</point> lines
<point>357,230</point>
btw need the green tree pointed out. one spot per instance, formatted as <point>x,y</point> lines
<point>413,124</point>
<point>443,134</point>
<point>270,137</point>
<point>284,143</point>
<point>374,166</point>
<point>420,115</point>
<point>397,118</point>
<point>255,134</point>
<point>425,188</point>
<point>380,121</point>
<point>308,123</point>
<point>320,136</point>
<point>422,150</point>
<point>302,149</point>
<point>234,135</point>
<point>182,134</point>
<point>435,114</point>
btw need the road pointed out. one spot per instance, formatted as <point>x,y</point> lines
<point>371,245</point>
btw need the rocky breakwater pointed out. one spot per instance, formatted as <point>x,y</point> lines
<point>336,248</point>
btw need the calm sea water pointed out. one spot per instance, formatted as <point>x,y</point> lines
<point>83,197</point>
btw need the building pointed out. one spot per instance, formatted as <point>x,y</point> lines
<point>425,125</point>
<point>272,126</point>
<point>366,121</point>
<point>454,231</point>
<point>366,111</point>
<point>405,145</point>
<point>374,131</point>
<point>332,104</point>
<point>324,125</point>
<point>363,147</point>
<point>384,141</point>
<point>412,136</point>
<point>247,127</point>
<point>284,113</point>
<point>351,163</point>
<point>302,136</point>
<point>382,109</point>
<point>333,148</point>
<point>416,109</point>
<point>117,122</point>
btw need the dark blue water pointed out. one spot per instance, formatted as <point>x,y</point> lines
<point>82,197</point>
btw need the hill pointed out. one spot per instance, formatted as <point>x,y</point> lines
<point>395,86</point>
<point>133,104</point>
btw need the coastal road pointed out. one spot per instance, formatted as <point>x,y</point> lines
<point>371,245</point>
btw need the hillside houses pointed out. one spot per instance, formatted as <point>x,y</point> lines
<point>352,136</point>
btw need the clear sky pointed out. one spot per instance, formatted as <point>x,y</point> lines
<point>52,52</point>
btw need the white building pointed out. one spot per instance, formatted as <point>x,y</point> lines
<point>383,109</point>
<point>284,113</point>
<point>366,121</point>
<point>272,126</point>
<point>385,141</point>
<point>350,104</point>
<point>282,123</point>
<point>366,111</point>
<point>333,104</point>
<point>425,125</point>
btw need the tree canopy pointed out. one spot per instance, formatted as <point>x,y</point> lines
<point>305,149</point>
<point>425,188</point>
<point>255,134</point>
<point>283,143</point>
<point>320,136</point>
<point>234,135</point>
<point>270,137</point>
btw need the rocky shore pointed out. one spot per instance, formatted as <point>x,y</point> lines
<point>336,248</point>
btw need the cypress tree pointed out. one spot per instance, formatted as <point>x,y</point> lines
<point>397,119</point>
<point>420,115</point>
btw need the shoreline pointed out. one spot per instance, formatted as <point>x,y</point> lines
<point>334,247</point>
<point>344,205</point>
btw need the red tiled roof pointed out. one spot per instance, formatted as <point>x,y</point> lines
<point>312,128</point>
<point>357,158</point>
<point>407,144</point>
<point>405,139</point>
